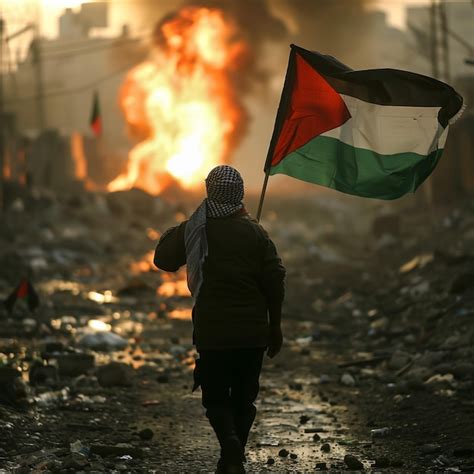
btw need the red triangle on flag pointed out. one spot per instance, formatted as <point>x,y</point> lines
<point>314,108</point>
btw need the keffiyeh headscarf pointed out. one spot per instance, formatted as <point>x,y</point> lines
<point>225,191</point>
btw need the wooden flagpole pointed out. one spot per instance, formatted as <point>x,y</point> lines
<point>262,196</point>
<point>283,105</point>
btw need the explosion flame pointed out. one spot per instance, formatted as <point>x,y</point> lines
<point>181,103</point>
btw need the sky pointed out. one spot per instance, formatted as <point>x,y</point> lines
<point>49,10</point>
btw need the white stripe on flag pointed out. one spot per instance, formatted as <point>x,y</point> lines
<point>387,129</point>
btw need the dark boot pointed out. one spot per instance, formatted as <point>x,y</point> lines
<point>222,422</point>
<point>243,424</point>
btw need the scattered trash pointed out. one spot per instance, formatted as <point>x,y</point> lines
<point>380,432</point>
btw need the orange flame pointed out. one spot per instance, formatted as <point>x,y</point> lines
<point>181,102</point>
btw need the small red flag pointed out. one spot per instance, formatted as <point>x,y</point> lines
<point>23,290</point>
<point>96,120</point>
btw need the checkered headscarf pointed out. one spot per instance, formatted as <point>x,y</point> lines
<point>225,191</point>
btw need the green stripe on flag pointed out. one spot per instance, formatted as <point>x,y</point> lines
<point>329,162</point>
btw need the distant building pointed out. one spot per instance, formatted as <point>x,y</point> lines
<point>52,89</point>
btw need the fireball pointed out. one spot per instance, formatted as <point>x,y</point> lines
<point>181,104</point>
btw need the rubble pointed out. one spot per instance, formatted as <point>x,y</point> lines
<point>377,365</point>
<point>115,374</point>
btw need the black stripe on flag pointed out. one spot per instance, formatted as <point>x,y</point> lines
<point>386,86</point>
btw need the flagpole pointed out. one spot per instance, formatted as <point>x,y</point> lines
<point>262,196</point>
<point>282,107</point>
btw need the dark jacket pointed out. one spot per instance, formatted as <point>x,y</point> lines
<point>242,277</point>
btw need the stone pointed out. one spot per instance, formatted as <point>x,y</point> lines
<point>348,380</point>
<point>462,282</point>
<point>430,448</point>
<point>382,462</point>
<point>103,341</point>
<point>463,451</point>
<point>72,364</point>
<point>115,374</point>
<point>352,462</point>
<point>118,450</point>
<point>43,374</point>
<point>304,419</point>
<point>326,447</point>
<point>463,370</point>
<point>146,434</point>
<point>398,360</point>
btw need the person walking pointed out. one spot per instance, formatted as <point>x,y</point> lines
<point>236,279</point>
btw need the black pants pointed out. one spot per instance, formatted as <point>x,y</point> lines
<point>229,384</point>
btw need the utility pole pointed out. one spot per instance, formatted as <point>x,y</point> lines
<point>444,41</point>
<point>2,118</point>
<point>434,39</point>
<point>37,62</point>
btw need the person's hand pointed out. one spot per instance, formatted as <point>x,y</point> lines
<point>276,341</point>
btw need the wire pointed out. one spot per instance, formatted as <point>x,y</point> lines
<point>72,91</point>
<point>87,50</point>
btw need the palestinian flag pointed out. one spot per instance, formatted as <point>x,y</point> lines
<point>377,133</point>
<point>23,290</point>
<point>96,120</point>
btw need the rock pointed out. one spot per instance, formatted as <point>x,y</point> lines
<point>321,466</point>
<point>324,378</point>
<point>13,390</point>
<point>463,451</point>
<point>146,434</point>
<point>382,462</point>
<point>417,375</point>
<point>420,289</point>
<point>103,341</point>
<point>115,374</point>
<point>304,419</point>
<point>463,370</point>
<point>429,359</point>
<point>75,461</point>
<point>352,462</point>
<point>118,450</point>
<point>430,448</point>
<point>462,283</point>
<point>326,447</point>
<point>43,374</point>
<point>398,360</point>
<point>348,380</point>
<point>283,453</point>
<point>72,364</point>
